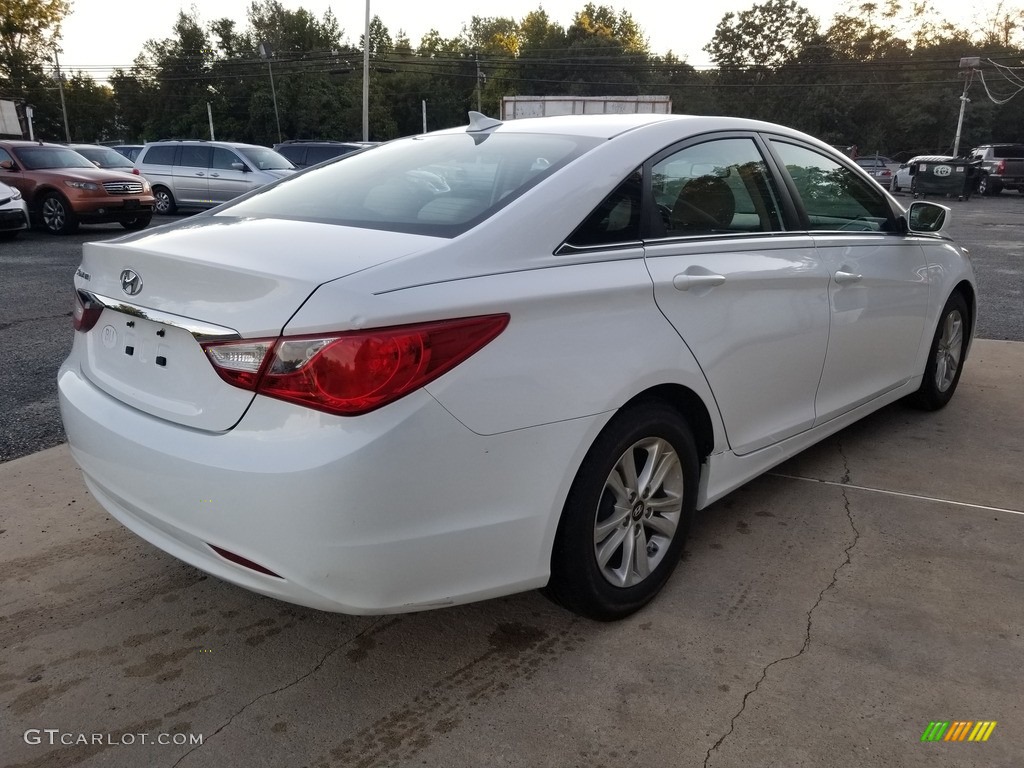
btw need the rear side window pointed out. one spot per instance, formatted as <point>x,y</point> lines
<point>433,185</point>
<point>194,157</point>
<point>159,155</point>
<point>293,154</point>
<point>720,186</point>
<point>316,155</point>
<point>834,197</point>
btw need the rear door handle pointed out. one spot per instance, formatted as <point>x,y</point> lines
<point>848,277</point>
<point>685,282</point>
<point>215,175</point>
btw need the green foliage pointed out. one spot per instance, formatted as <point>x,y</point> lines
<point>880,74</point>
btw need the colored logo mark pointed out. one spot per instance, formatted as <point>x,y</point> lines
<point>958,730</point>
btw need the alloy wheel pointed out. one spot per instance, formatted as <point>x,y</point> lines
<point>949,350</point>
<point>639,512</point>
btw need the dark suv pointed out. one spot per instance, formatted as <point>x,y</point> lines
<point>303,153</point>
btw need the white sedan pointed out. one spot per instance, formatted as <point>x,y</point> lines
<point>500,357</point>
<point>13,212</point>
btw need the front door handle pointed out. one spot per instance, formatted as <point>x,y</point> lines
<point>685,282</point>
<point>215,175</point>
<point>848,277</point>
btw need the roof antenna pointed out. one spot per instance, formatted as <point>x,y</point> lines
<point>481,122</point>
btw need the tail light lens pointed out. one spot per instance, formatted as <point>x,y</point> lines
<point>1000,167</point>
<point>85,314</point>
<point>354,372</point>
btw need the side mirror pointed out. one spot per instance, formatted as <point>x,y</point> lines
<point>923,216</point>
<point>7,165</point>
<point>239,166</point>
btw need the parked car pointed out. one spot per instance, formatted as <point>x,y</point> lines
<point>302,153</point>
<point>1001,167</point>
<point>13,212</point>
<point>63,189</point>
<point>878,167</point>
<point>104,157</point>
<point>203,174</point>
<point>903,179</point>
<point>361,392</point>
<point>131,151</point>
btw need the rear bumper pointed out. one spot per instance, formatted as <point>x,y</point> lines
<point>401,509</point>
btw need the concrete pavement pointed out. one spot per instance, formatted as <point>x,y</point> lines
<point>824,614</point>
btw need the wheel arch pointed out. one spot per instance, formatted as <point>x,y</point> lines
<point>690,407</point>
<point>965,289</point>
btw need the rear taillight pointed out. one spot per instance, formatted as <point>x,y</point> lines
<point>353,372</point>
<point>1000,167</point>
<point>85,314</point>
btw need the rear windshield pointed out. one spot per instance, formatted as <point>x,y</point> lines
<point>105,158</point>
<point>1012,151</point>
<point>40,158</point>
<point>433,185</point>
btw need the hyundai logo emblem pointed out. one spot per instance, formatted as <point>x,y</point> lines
<point>131,283</point>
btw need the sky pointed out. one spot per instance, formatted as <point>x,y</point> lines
<point>100,35</point>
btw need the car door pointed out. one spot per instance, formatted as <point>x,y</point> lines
<point>227,181</point>
<point>878,289</point>
<point>746,294</point>
<point>191,184</point>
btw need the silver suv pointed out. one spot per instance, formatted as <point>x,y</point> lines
<point>202,174</point>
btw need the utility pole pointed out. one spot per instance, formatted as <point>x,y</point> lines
<point>266,52</point>
<point>970,63</point>
<point>366,75</point>
<point>63,106</point>
<point>480,77</point>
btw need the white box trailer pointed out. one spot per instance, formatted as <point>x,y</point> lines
<point>515,107</point>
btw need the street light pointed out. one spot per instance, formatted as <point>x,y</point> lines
<point>266,52</point>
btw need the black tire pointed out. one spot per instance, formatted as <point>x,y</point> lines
<point>164,205</point>
<point>893,186</point>
<point>988,187</point>
<point>656,518</point>
<point>946,356</point>
<point>139,222</point>
<point>56,216</point>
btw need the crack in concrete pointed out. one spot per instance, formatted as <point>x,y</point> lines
<point>296,681</point>
<point>810,615</point>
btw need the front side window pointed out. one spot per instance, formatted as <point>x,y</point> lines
<point>835,197</point>
<point>434,185</point>
<point>716,187</point>
<point>223,158</point>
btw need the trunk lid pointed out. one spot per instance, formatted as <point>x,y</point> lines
<point>207,277</point>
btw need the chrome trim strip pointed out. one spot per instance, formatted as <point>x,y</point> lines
<point>201,331</point>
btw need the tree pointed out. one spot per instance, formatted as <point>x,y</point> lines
<point>763,37</point>
<point>29,34</point>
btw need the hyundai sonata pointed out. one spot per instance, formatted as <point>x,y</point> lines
<point>500,357</point>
